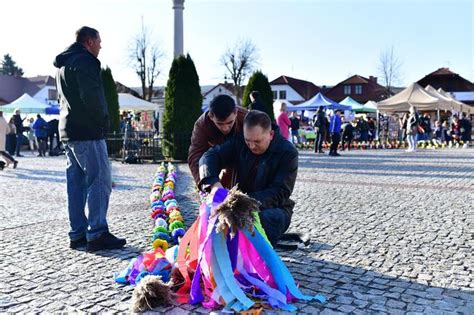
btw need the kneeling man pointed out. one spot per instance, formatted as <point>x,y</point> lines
<point>266,165</point>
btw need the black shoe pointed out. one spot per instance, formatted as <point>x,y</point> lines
<point>15,164</point>
<point>106,241</point>
<point>82,242</point>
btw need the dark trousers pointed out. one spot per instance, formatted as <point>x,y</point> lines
<point>318,142</point>
<point>335,138</point>
<point>18,143</point>
<point>11,143</point>
<point>275,222</point>
<point>346,139</point>
<point>42,145</point>
<point>7,156</point>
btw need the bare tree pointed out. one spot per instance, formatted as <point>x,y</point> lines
<point>389,68</point>
<point>145,56</point>
<point>240,61</point>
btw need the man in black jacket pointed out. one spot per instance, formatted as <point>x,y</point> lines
<point>320,124</point>
<point>82,126</point>
<point>266,165</point>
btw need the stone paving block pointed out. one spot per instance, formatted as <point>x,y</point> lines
<point>390,228</point>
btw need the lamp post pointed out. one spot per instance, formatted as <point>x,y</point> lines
<point>178,7</point>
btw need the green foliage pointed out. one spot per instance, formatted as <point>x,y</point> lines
<point>259,82</point>
<point>111,97</point>
<point>183,102</point>
<point>9,67</point>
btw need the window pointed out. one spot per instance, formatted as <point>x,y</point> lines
<point>275,95</point>
<point>358,89</point>
<point>283,95</point>
<point>347,89</point>
<point>52,94</point>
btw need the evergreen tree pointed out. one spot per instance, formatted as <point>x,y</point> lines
<point>111,97</point>
<point>259,82</point>
<point>183,102</point>
<point>9,67</point>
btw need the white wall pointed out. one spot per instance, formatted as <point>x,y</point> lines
<point>43,95</point>
<point>291,94</point>
<point>217,91</point>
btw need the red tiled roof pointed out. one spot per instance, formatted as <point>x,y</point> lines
<point>304,88</point>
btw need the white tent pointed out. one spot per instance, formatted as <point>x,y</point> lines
<point>462,107</point>
<point>412,95</point>
<point>371,106</point>
<point>130,102</point>
<point>446,103</point>
<point>26,104</point>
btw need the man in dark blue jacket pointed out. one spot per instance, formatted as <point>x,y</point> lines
<point>335,131</point>
<point>265,167</point>
<point>82,126</point>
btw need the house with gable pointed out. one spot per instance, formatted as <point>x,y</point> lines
<point>293,90</point>
<point>461,88</point>
<point>41,88</point>
<point>358,88</point>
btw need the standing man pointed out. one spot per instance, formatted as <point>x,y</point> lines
<point>83,123</point>
<point>256,101</point>
<point>266,165</point>
<point>320,126</point>
<point>19,131</point>
<point>335,131</point>
<point>223,121</point>
<point>295,128</point>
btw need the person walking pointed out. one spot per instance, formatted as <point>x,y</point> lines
<point>41,132</point>
<point>19,131</point>
<point>84,120</point>
<point>284,122</point>
<point>412,129</point>
<point>31,136</point>
<point>335,131</point>
<point>4,130</point>
<point>319,124</point>
<point>11,137</point>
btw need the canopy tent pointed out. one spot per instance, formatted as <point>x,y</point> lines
<point>26,104</point>
<point>446,103</point>
<point>355,106</point>
<point>315,102</point>
<point>370,107</point>
<point>130,102</point>
<point>462,107</point>
<point>412,95</point>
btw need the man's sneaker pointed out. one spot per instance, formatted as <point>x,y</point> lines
<point>105,241</point>
<point>82,242</point>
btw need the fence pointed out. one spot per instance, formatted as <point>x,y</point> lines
<point>147,145</point>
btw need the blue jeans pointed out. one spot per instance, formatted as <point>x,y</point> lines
<point>88,180</point>
<point>275,222</point>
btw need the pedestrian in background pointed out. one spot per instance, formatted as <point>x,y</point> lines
<point>320,126</point>
<point>295,128</point>
<point>19,131</point>
<point>84,120</point>
<point>11,137</point>
<point>4,130</point>
<point>284,122</point>
<point>412,129</point>
<point>335,131</point>
<point>256,102</point>
<point>31,135</point>
<point>41,132</point>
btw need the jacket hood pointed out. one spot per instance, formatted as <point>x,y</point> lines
<point>72,50</point>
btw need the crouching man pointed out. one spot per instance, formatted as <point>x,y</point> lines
<point>265,166</point>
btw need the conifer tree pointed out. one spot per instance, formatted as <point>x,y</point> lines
<point>183,102</point>
<point>111,97</point>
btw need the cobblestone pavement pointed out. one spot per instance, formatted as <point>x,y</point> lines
<point>392,232</point>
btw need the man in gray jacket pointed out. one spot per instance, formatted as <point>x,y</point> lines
<point>83,123</point>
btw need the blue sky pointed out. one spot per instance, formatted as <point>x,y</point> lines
<point>320,41</point>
